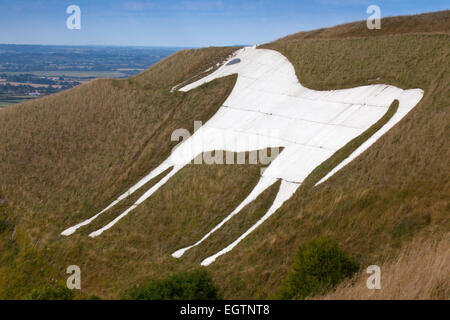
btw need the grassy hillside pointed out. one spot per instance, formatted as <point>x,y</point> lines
<point>434,22</point>
<point>67,156</point>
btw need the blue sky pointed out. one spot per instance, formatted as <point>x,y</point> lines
<point>186,23</point>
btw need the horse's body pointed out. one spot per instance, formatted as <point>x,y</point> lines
<point>269,108</point>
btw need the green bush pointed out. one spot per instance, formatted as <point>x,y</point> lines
<point>194,285</point>
<point>58,292</point>
<point>319,265</point>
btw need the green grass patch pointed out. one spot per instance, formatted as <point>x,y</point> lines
<point>58,292</point>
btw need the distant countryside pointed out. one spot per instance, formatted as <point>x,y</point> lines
<point>32,71</point>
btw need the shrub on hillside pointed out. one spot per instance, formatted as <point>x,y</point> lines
<point>319,265</point>
<point>194,285</point>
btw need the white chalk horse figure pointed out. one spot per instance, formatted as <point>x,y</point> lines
<point>310,126</point>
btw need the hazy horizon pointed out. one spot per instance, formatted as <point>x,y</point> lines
<point>94,45</point>
<point>184,24</point>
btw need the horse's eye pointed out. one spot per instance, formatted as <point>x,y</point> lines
<point>234,61</point>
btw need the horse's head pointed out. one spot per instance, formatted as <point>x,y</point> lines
<point>258,68</point>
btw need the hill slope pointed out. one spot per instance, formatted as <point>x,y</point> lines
<point>68,155</point>
<point>434,22</point>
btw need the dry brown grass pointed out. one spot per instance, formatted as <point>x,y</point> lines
<point>66,156</point>
<point>420,271</point>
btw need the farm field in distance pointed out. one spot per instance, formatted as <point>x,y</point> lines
<point>31,71</point>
